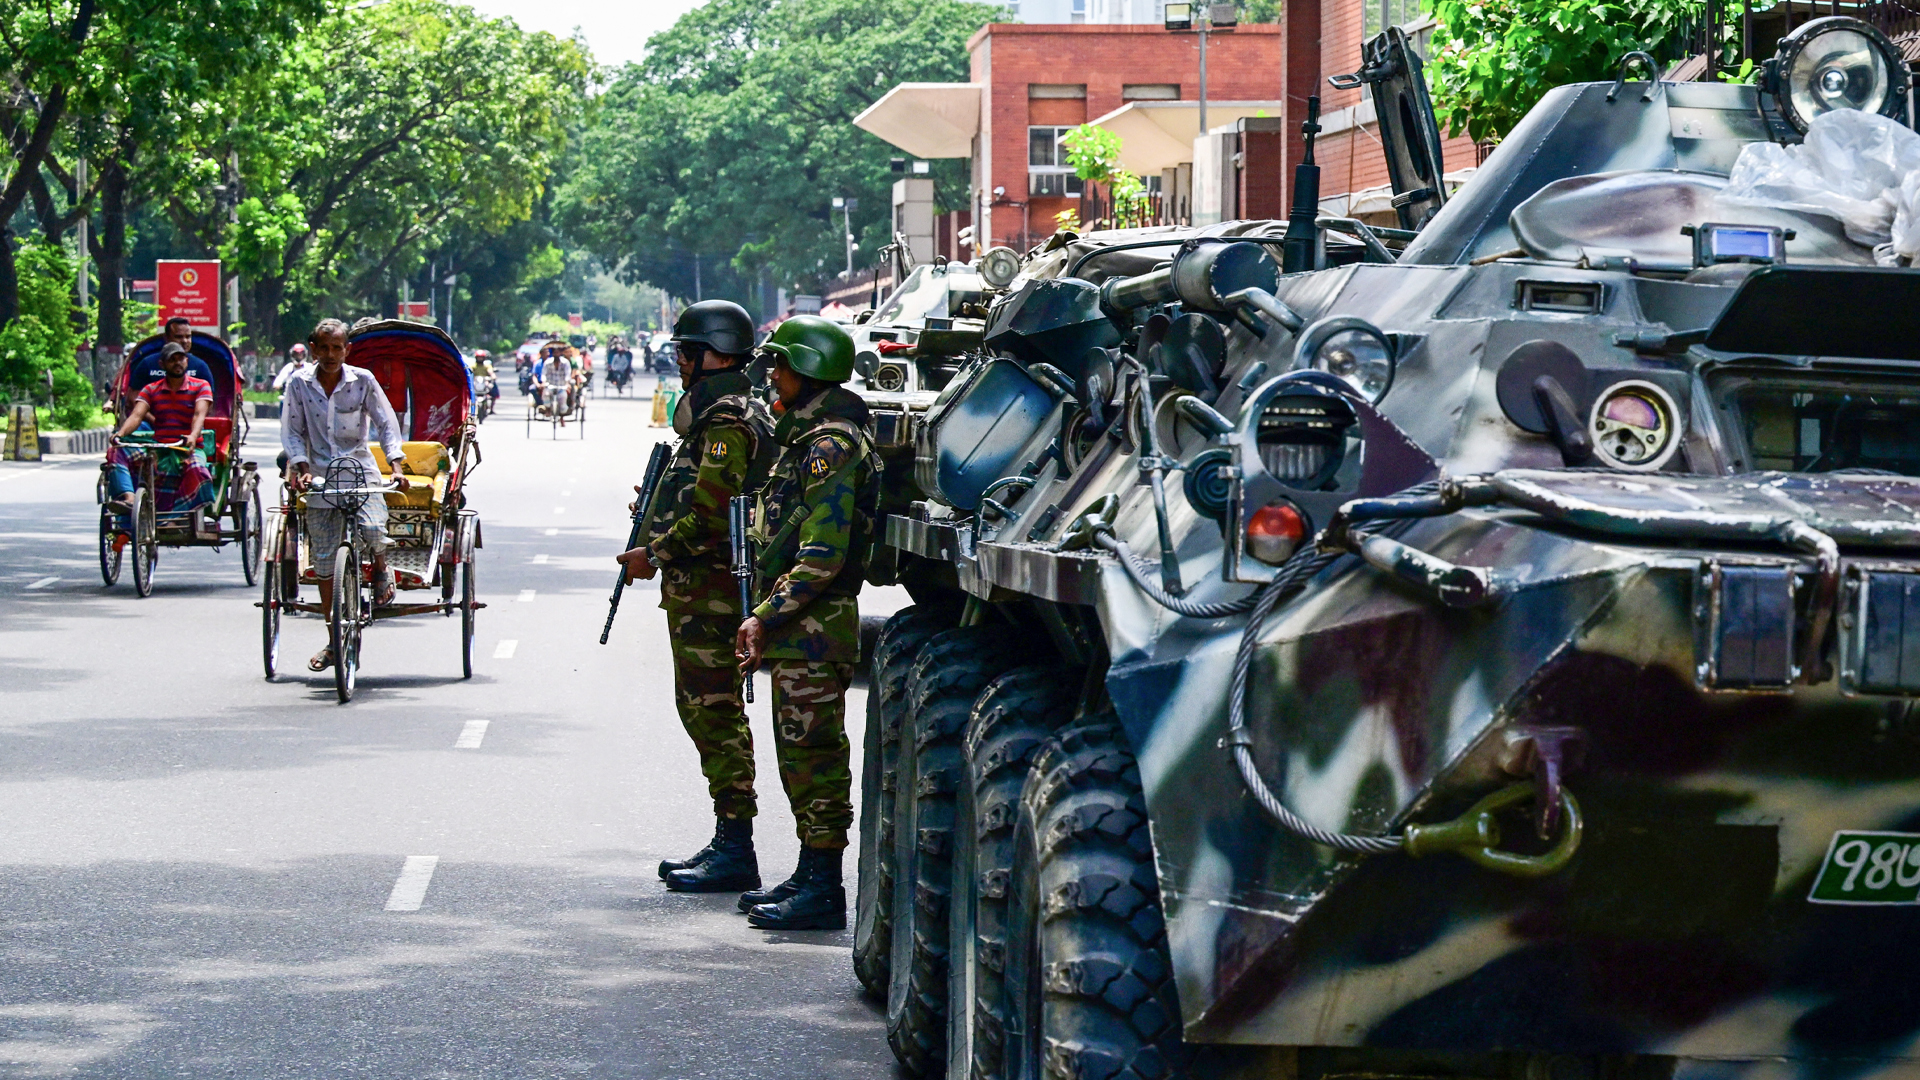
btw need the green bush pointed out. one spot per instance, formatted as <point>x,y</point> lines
<point>37,347</point>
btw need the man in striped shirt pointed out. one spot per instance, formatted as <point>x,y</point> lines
<point>175,408</point>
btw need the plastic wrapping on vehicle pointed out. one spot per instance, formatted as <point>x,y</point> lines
<point>1859,167</point>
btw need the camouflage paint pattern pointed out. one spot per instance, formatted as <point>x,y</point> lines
<point>706,688</point>
<point>1682,927</point>
<point>810,742</point>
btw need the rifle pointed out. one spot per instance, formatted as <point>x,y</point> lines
<point>739,515</point>
<point>642,510</point>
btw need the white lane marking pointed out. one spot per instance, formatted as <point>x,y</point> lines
<point>23,472</point>
<point>559,509</point>
<point>525,597</point>
<point>539,560</point>
<point>504,650</point>
<point>470,735</point>
<point>43,583</point>
<point>553,532</point>
<point>410,888</point>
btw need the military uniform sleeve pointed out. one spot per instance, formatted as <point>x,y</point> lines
<point>725,453</point>
<point>828,501</point>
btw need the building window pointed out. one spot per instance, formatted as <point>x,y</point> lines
<point>1078,11</point>
<point>1381,14</point>
<point>1150,92</point>
<point>1047,170</point>
<point>1057,90</point>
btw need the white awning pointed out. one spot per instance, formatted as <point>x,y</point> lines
<point>927,120</point>
<point>1157,135</point>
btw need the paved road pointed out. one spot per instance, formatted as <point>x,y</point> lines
<point>195,863</point>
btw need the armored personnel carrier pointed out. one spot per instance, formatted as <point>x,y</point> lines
<point>1472,649</point>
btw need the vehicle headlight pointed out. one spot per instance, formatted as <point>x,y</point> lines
<point>1634,425</point>
<point>1837,63</point>
<point>999,266</point>
<point>1351,349</point>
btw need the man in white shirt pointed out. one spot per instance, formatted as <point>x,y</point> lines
<point>328,411</point>
<point>296,362</point>
<point>558,377</point>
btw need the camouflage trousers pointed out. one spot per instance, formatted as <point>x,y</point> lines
<point>810,735</point>
<point>706,686</point>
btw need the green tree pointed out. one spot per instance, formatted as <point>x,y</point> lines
<point>118,81</point>
<point>37,345</point>
<point>379,137</point>
<point>1492,60</point>
<point>711,166</point>
<point>1094,154</point>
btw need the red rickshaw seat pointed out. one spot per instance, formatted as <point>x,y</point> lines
<point>222,428</point>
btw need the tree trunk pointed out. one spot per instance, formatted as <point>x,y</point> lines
<point>9,278</point>
<point>260,302</point>
<point>110,255</point>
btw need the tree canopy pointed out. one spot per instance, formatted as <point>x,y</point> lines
<point>1492,60</point>
<point>715,161</point>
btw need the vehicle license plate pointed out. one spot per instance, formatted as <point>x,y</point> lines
<point>1869,868</point>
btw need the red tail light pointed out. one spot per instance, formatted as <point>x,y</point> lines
<point>1274,533</point>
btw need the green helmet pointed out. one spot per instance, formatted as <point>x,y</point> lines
<point>815,347</point>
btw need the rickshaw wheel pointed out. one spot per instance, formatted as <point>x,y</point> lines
<point>109,556</point>
<point>468,594</point>
<point>251,526</point>
<point>344,627</point>
<point>146,550</point>
<point>270,621</point>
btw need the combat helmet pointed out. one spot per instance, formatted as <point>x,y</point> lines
<point>815,347</point>
<point>720,325</point>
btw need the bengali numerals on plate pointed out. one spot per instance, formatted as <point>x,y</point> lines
<point>1869,868</point>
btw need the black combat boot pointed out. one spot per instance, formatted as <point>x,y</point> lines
<point>751,900</point>
<point>819,904</point>
<point>668,866</point>
<point>730,867</point>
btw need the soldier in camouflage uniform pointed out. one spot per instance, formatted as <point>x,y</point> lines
<point>813,524</point>
<point>726,442</point>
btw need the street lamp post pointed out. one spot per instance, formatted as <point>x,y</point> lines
<point>847,206</point>
<point>1202,18</point>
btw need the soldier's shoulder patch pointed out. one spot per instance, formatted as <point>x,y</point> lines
<point>716,450</point>
<point>825,455</point>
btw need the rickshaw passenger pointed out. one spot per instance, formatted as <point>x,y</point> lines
<point>558,377</point>
<point>173,409</point>
<point>329,411</point>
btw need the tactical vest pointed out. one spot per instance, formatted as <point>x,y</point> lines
<point>722,397</point>
<point>779,513</point>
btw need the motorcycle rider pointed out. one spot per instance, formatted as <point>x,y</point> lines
<point>814,524</point>
<point>726,441</point>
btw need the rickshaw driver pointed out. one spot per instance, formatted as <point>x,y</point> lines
<point>329,410</point>
<point>176,409</point>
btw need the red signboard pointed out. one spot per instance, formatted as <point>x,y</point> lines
<point>189,289</point>
<point>575,321</point>
<point>419,310</point>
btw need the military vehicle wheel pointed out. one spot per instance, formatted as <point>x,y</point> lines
<point>1088,984</point>
<point>948,674</point>
<point>1012,719</point>
<point>906,631</point>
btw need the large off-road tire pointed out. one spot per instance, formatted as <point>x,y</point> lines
<point>1012,719</point>
<point>890,663</point>
<point>948,675</point>
<point>1088,984</point>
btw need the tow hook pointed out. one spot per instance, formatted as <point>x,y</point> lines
<point>1475,835</point>
<point>1544,754</point>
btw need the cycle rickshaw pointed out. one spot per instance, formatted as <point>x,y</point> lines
<point>568,405</point>
<point>619,367</point>
<point>433,534</point>
<point>231,516</point>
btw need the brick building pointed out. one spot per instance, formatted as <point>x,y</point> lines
<point>1030,83</point>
